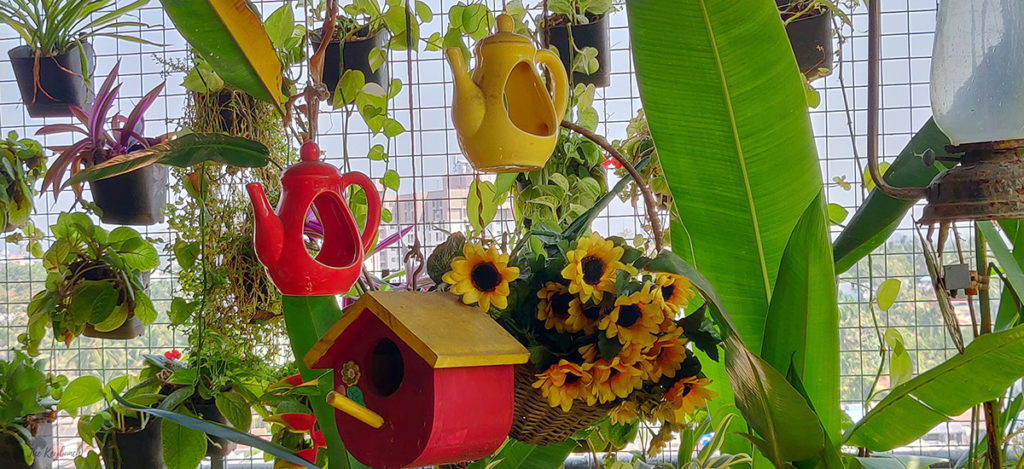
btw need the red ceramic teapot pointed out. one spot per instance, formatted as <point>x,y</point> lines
<point>279,237</point>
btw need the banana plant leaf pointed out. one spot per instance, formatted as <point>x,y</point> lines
<point>218,430</point>
<point>727,110</point>
<point>230,36</point>
<point>988,366</point>
<point>187,150</point>
<point>1010,312</point>
<point>788,427</point>
<point>518,455</point>
<point>880,214</point>
<point>307,318</point>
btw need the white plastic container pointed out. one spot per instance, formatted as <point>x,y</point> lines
<point>977,76</point>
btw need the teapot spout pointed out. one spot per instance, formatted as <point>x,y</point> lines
<point>268,232</point>
<point>350,407</point>
<point>468,104</point>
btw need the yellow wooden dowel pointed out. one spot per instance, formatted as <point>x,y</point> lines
<point>341,402</point>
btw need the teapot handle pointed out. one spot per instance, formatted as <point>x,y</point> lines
<point>372,205</point>
<point>559,79</point>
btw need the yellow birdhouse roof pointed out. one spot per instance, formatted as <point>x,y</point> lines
<point>442,330</point>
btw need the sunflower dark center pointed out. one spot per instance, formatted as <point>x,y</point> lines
<point>628,315</point>
<point>560,304</point>
<point>571,378</point>
<point>592,313</point>
<point>667,291</point>
<point>593,270</point>
<point>485,277</point>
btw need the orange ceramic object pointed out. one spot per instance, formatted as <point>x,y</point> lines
<point>280,246</point>
<point>504,117</point>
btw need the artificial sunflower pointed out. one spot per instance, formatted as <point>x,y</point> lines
<point>623,413</point>
<point>562,383</point>
<point>665,357</point>
<point>585,318</point>
<point>628,354</point>
<point>592,267</point>
<point>557,306</point>
<point>683,398</point>
<point>612,379</point>
<point>675,290</point>
<point>635,318</point>
<point>481,276</point>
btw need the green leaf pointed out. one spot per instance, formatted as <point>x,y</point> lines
<point>349,85</point>
<point>480,206</point>
<point>423,12</point>
<point>518,455</point>
<point>1011,262</point>
<point>867,181</point>
<point>887,293</point>
<point>114,319</point>
<point>391,180</point>
<point>376,58</point>
<point>837,214</point>
<point>279,25</point>
<point>81,392</point>
<point>185,151</point>
<point>230,36</point>
<point>880,214</point>
<point>731,64</point>
<point>180,312</point>
<point>183,447</point>
<point>900,366</point>
<point>377,153</point>
<point>913,408</point>
<point>235,409</point>
<point>895,461</point>
<point>144,309</point>
<point>92,301</point>
<point>139,254</point>
<point>392,128</point>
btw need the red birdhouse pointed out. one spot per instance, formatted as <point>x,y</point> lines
<point>435,378</point>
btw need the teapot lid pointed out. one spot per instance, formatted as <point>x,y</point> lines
<point>504,34</point>
<point>310,166</point>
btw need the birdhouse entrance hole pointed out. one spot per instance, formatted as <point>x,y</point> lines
<point>527,101</point>
<point>330,234</point>
<point>386,368</point>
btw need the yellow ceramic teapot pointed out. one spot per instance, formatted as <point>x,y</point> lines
<point>504,117</point>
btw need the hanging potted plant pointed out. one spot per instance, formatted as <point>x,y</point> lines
<point>578,29</point>
<point>27,398</point>
<point>133,198</point>
<point>357,44</point>
<point>95,283</point>
<point>53,67</point>
<point>22,163</point>
<point>124,438</point>
<point>809,27</point>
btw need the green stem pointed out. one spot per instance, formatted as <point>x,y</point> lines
<point>994,454</point>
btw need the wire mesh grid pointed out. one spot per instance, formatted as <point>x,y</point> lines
<point>443,177</point>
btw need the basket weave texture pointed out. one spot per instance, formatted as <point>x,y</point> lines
<point>537,423</point>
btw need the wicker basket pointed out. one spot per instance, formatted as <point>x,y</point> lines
<point>537,423</point>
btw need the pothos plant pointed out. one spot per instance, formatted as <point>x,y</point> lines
<point>94,278</point>
<point>28,395</point>
<point>22,163</point>
<point>637,146</point>
<point>573,178</point>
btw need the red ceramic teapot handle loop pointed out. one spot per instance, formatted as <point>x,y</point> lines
<point>372,205</point>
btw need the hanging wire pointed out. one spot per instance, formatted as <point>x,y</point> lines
<point>415,253</point>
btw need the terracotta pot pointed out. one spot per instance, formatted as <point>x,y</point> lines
<point>354,56</point>
<point>811,40</point>
<point>11,456</point>
<point>61,80</point>
<point>134,449</point>
<point>593,34</point>
<point>135,198</point>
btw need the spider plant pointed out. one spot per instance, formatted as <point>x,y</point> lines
<point>102,138</point>
<point>52,27</point>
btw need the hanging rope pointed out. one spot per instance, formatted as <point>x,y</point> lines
<point>415,253</point>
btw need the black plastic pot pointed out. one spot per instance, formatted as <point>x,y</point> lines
<point>216,447</point>
<point>11,456</point>
<point>354,56</point>
<point>134,198</point>
<point>811,39</point>
<point>60,77</point>
<point>134,449</point>
<point>593,34</point>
